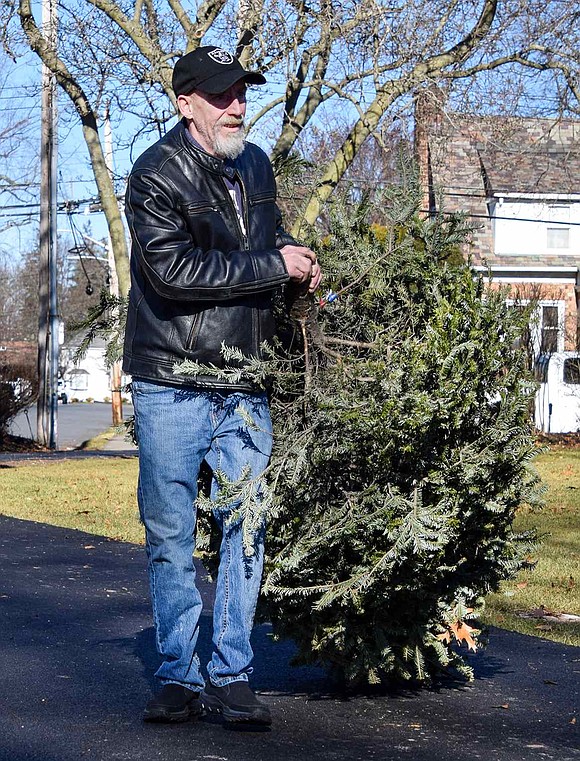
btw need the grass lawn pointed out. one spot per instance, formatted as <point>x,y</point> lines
<point>554,582</point>
<point>98,496</point>
<point>94,495</point>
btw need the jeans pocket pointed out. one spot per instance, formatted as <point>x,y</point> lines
<point>140,387</point>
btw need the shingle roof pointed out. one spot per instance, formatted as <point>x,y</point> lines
<point>514,154</point>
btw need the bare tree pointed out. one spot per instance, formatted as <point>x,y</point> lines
<point>367,58</point>
<point>18,172</point>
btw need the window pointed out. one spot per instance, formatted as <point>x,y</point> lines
<point>78,380</point>
<point>546,329</point>
<point>572,371</point>
<point>558,237</point>
<point>549,330</point>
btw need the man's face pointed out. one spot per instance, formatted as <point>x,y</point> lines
<point>217,121</point>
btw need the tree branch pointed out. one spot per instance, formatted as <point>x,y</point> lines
<point>91,134</point>
<point>385,97</point>
<point>207,13</point>
<point>160,69</point>
<point>182,17</point>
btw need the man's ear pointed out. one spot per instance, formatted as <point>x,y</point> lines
<point>185,106</point>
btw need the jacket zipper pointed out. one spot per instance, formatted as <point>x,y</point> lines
<point>246,246</point>
<point>190,207</point>
<point>243,236</point>
<point>263,198</point>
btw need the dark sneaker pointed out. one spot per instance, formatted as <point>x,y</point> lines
<point>173,703</point>
<point>236,702</point>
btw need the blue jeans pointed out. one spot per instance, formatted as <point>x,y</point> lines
<point>177,428</point>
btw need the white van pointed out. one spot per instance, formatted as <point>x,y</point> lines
<point>558,397</point>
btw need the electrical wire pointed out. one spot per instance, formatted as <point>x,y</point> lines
<point>74,211</point>
<point>78,248</point>
<point>84,246</point>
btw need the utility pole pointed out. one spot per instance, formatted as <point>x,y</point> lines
<point>116,398</point>
<point>48,345</point>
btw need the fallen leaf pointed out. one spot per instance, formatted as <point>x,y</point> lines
<point>529,563</point>
<point>522,585</point>
<point>89,547</point>
<point>505,706</point>
<point>549,681</point>
<point>573,720</point>
<point>463,632</point>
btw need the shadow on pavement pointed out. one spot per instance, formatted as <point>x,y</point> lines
<point>77,660</point>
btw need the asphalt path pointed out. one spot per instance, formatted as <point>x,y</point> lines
<point>76,423</point>
<point>77,658</point>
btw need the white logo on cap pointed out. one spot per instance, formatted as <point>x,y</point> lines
<point>221,56</point>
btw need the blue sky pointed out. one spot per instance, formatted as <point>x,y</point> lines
<point>20,100</point>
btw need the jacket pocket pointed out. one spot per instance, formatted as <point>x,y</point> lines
<point>210,226</point>
<point>260,198</point>
<point>262,217</point>
<point>198,208</point>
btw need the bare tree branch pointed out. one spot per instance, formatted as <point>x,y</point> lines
<point>90,131</point>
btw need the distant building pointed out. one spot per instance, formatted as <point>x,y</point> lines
<point>87,378</point>
<point>519,180</point>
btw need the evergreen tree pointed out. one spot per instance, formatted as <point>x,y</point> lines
<point>402,450</point>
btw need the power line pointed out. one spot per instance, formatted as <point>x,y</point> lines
<point>71,207</point>
<point>513,219</point>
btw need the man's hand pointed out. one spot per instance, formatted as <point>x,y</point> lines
<point>302,266</point>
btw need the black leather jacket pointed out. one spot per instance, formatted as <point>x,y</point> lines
<point>197,281</point>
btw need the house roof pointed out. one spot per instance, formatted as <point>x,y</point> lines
<point>75,340</point>
<point>505,154</point>
<point>528,155</point>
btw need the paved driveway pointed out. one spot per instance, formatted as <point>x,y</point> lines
<point>77,658</point>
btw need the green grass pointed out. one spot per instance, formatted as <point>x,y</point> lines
<point>554,582</point>
<point>99,441</point>
<point>94,495</point>
<point>98,496</point>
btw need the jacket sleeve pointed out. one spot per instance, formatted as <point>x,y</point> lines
<point>174,266</point>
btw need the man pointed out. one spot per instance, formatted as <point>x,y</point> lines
<point>208,254</point>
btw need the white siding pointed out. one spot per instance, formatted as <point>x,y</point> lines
<point>515,237</point>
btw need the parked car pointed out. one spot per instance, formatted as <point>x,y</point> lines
<point>557,408</point>
<point>62,395</point>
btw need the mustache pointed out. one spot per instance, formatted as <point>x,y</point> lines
<point>232,121</point>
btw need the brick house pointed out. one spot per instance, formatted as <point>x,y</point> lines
<point>519,181</point>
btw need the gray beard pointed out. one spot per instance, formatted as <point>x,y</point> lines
<point>229,146</point>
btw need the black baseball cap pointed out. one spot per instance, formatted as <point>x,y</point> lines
<point>212,70</point>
